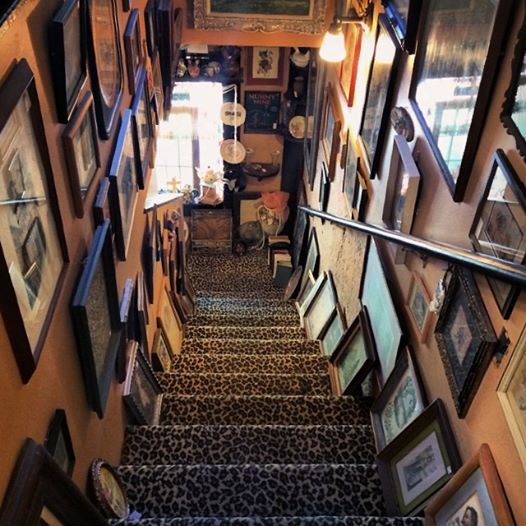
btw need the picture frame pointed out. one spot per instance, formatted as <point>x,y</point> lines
<point>107,489</point>
<point>401,400</point>
<point>162,355</point>
<point>418,462</point>
<point>169,321</point>
<point>244,207</point>
<point>158,90</point>
<point>354,357</point>
<point>333,331</point>
<point>305,17</point>
<point>101,205</point>
<point>350,174</point>
<point>126,316</point>
<point>498,226</point>
<point>308,293</point>
<point>265,65</point>
<point>149,248</point>
<point>468,96</point>
<point>165,26</point>
<point>312,262</point>
<point>380,89</point>
<point>474,493</point>
<point>325,188</point>
<point>6,11</point>
<point>331,129</point>
<point>123,186</point>
<point>404,15</point>
<point>33,251</point>
<point>141,313</point>
<point>133,51</point>
<point>67,49</point>
<point>262,109</point>
<point>320,308</point>
<point>417,306</point>
<point>81,148</point>
<point>465,337</point>
<point>58,442</point>
<point>105,63</point>
<point>361,199</point>
<point>301,227</point>
<point>126,5</point>
<point>349,67</point>
<point>150,23</point>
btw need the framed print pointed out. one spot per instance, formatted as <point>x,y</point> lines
<point>475,495</point>
<point>417,306</point>
<point>67,48</point>
<point>245,206</point>
<point>108,490</point>
<point>401,400</point>
<point>169,321</point>
<point>81,146</point>
<point>33,253</point>
<point>325,188</point>
<point>158,90</point>
<point>127,318</point>
<point>512,396</point>
<point>320,308</point>
<point>312,263</point>
<point>301,227</point>
<point>58,442</point>
<point>96,319</point>
<point>149,253</point>
<point>133,50</point>
<point>101,205</point>
<point>126,5</point>
<point>349,67</point>
<point>150,22</point>
<point>304,16</point>
<point>419,461</point>
<point>162,355</point>
<point>166,37</point>
<point>105,62</point>
<point>331,129</point>
<point>380,88</point>
<point>466,338</point>
<point>262,111</point>
<point>333,331</point>
<point>308,293</point>
<point>140,300</point>
<point>452,119</point>
<point>499,226</point>
<point>353,358</point>
<point>123,186</point>
<point>350,175</point>
<point>39,492</point>
<point>403,15</point>
<point>265,65</point>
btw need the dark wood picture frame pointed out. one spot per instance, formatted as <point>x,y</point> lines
<point>301,227</point>
<point>331,128</point>
<point>149,253</point>
<point>162,354</point>
<point>405,25</point>
<point>58,442</point>
<point>133,51</point>
<point>267,71</point>
<point>168,319</point>
<point>325,188</point>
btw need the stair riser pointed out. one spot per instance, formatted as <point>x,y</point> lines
<point>249,346</point>
<point>243,320</point>
<point>279,521</point>
<point>227,304</point>
<point>249,333</point>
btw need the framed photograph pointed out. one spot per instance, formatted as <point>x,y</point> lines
<point>349,67</point>
<point>265,65</point>
<point>40,492</point>
<point>312,262</point>
<point>417,306</point>
<point>304,16</point>
<point>331,129</point>
<point>353,358</point>
<point>320,308</point>
<point>101,205</point>
<point>33,253</point>
<point>401,400</point>
<point>107,489</point>
<point>262,109</point>
<point>403,15</point>
<point>150,22</point>
<point>333,331</point>
<point>380,89</point>
<point>81,147</point>
<point>475,495</point>
<point>133,50</point>
<point>162,355</point>
<point>466,338</point>
<point>512,396</point>
<point>169,321</point>
<point>453,118</point>
<point>67,48</point>
<point>123,186</point>
<point>325,188</point>
<point>105,62</point>
<point>498,225</point>
<point>58,442</point>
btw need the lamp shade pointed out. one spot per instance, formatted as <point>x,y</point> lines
<point>333,44</point>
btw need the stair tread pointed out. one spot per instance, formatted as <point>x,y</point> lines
<point>298,346</point>
<point>274,332</point>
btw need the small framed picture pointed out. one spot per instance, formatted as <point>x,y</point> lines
<point>333,331</point>
<point>312,262</point>
<point>303,295</point>
<point>169,320</point>
<point>350,175</point>
<point>309,293</point>
<point>325,188</point>
<point>265,65</point>
<point>332,123</point>
<point>140,334</point>
<point>262,111</point>
<point>107,488</point>
<point>149,253</point>
<point>133,50</point>
<point>162,354</point>
<point>403,15</point>
<point>101,205</point>
<point>349,66</point>
<point>126,317</point>
<point>320,308</point>
<point>58,442</point>
<point>417,306</point>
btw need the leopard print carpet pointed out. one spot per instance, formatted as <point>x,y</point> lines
<point>248,346</point>
<point>279,521</point>
<point>248,333</point>
<point>268,319</point>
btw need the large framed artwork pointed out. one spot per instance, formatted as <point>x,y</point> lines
<point>453,76</point>
<point>33,254</point>
<point>67,48</point>
<point>475,496</point>
<point>96,319</point>
<point>293,16</point>
<point>403,15</point>
<point>58,442</point>
<point>321,308</point>
<point>262,111</point>
<point>331,128</point>
<point>105,62</point>
<point>265,65</point>
<point>133,50</point>
<point>499,226</point>
<point>466,338</point>
<point>349,66</point>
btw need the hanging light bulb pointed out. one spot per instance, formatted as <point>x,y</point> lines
<point>333,44</point>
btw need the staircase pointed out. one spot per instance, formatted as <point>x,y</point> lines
<point>250,433</point>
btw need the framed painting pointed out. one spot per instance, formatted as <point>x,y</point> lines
<point>162,355</point>
<point>101,205</point>
<point>452,118</point>
<point>293,16</point>
<point>105,62</point>
<point>466,338</point>
<point>380,89</point>
<point>475,495</point>
<point>150,23</point>
<point>67,49</point>
<point>349,67</point>
<point>265,65</point>
<point>81,147</point>
<point>39,492</point>
<point>403,15</point>
<point>320,308</point>
<point>401,400</point>
<point>353,358</point>
<point>325,188</point>
<point>123,186</point>
<point>262,111</point>
<point>499,226</point>
<point>417,306</point>
<point>133,50</point>
<point>512,396</point>
<point>58,442</point>
<point>331,129</point>
<point>169,321</point>
<point>333,331</point>
<point>33,253</point>
<point>312,262</point>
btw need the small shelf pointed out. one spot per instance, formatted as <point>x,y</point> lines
<point>260,170</point>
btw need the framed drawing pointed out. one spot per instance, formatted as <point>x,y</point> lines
<point>476,31</point>
<point>33,253</point>
<point>101,205</point>
<point>331,129</point>
<point>475,495</point>
<point>466,338</point>
<point>133,50</point>
<point>67,48</point>
<point>403,15</point>
<point>333,331</point>
<point>162,355</point>
<point>417,306</point>
<point>320,308</point>
<point>380,88</point>
<point>123,186</point>
<point>262,111</point>
<point>401,400</point>
<point>169,321</point>
<point>512,396</point>
<point>81,147</point>
<point>349,67</point>
<point>499,226</point>
<point>58,442</point>
<point>303,16</point>
<point>265,65</point>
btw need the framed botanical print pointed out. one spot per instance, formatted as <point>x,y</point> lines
<point>265,65</point>
<point>417,306</point>
<point>333,331</point>
<point>321,307</point>
<point>499,226</point>
<point>58,442</point>
<point>133,50</point>
<point>403,15</point>
<point>331,128</point>
<point>162,355</point>
<point>33,253</point>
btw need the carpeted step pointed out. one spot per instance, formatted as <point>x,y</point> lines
<point>249,333</point>
<point>278,521</point>
<point>225,304</point>
<point>227,384</point>
<point>266,319</point>
<point>249,363</point>
<point>233,292</point>
<point>248,445</point>
<point>265,490</point>
<point>257,410</point>
<point>299,346</point>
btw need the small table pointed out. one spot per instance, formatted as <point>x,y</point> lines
<point>260,170</point>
